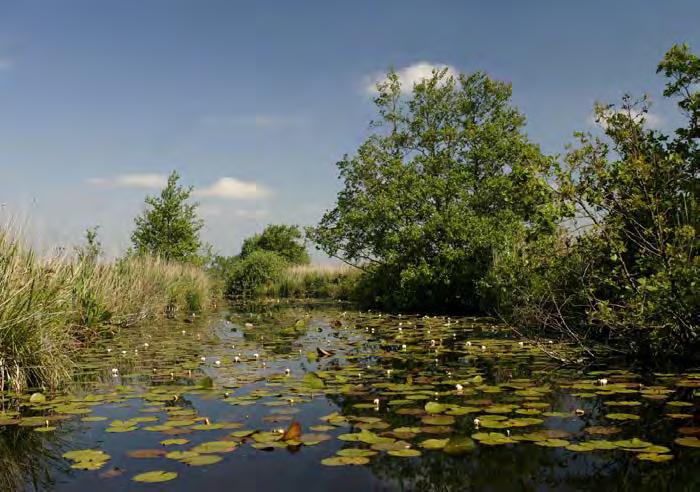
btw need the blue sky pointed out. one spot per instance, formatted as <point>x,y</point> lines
<point>254,102</point>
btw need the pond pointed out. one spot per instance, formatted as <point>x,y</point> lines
<point>318,398</point>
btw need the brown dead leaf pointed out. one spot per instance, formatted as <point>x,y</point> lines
<point>324,353</point>
<point>146,453</point>
<point>293,432</point>
<point>112,473</point>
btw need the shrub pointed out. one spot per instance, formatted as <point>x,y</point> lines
<point>285,240</point>
<point>250,275</point>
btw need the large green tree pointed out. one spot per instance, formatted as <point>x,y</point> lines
<point>169,227</point>
<point>285,240</point>
<point>446,182</point>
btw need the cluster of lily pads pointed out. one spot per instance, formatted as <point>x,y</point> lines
<point>402,387</point>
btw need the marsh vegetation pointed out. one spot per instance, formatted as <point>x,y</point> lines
<point>556,344</point>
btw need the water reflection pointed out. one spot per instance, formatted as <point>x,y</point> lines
<point>259,360</point>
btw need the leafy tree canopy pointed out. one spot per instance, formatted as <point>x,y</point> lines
<point>169,227</point>
<point>285,240</point>
<point>446,180</point>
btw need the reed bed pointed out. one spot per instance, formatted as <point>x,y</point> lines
<point>49,306</point>
<point>315,282</point>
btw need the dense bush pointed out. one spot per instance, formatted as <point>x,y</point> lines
<point>628,276</point>
<point>285,240</point>
<point>249,276</point>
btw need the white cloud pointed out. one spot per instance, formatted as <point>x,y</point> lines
<point>410,75</point>
<point>142,180</point>
<point>652,120</point>
<point>233,189</point>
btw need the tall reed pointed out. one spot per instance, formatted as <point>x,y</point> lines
<point>50,305</point>
<point>315,281</point>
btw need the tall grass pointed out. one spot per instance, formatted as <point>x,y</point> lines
<point>50,305</point>
<point>315,282</point>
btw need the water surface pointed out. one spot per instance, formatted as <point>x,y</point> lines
<point>411,403</point>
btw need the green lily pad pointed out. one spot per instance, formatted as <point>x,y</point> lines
<point>154,476</point>
<point>202,460</point>
<point>174,442</point>
<point>434,443</point>
<point>622,416</point>
<point>692,442</point>
<point>404,453</point>
<point>356,452</point>
<point>458,445</point>
<point>215,447</point>
<point>434,407</point>
<point>345,460</point>
<point>632,443</point>
<point>657,458</point>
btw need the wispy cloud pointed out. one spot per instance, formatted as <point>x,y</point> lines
<point>5,63</point>
<point>409,75</point>
<point>254,121</point>
<point>209,210</point>
<point>136,180</point>
<point>652,120</point>
<point>233,189</point>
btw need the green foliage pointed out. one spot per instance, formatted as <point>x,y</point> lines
<point>91,250</point>
<point>629,273</point>
<point>285,240</point>
<point>315,282</point>
<point>251,274</point>
<point>444,184</point>
<point>169,227</point>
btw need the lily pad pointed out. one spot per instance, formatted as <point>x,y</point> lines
<point>155,476</point>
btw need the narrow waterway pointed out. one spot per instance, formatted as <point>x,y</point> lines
<point>382,402</point>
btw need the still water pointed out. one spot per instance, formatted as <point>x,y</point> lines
<point>381,402</point>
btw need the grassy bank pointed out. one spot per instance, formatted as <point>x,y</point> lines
<point>48,306</point>
<point>265,274</point>
<point>314,282</point>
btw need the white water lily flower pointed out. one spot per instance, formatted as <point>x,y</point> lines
<point>203,359</point>
<point>217,362</point>
<point>468,344</point>
<point>459,387</point>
